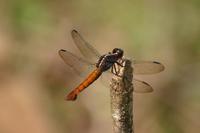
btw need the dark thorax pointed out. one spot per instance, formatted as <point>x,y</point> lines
<point>106,61</point>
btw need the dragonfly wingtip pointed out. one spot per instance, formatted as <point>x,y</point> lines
<point>74,31</point>
<point>62,50</point>
<point>162,68</point>
<point>156,62</point>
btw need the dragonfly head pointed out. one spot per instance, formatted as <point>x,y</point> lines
<point>119,52</point>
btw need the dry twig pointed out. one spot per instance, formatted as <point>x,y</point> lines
<point>122,99</point>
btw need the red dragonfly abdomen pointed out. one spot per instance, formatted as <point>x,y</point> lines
<point>89,80</point>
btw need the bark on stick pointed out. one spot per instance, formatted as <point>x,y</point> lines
<point>122,99</point>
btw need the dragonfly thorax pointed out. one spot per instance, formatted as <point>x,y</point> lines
<point>106,61</point>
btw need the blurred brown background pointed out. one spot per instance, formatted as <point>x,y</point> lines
<point>34,80</point>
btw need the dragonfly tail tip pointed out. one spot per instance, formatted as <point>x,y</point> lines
<point>71,97</point>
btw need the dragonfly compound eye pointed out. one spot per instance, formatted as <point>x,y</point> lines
<point>118,51</point>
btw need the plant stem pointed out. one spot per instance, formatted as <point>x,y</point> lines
<point>122,99</point>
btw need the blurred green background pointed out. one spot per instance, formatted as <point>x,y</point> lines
<point>34,80</point>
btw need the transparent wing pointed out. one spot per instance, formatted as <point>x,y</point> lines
<point>105,78</point>
<point>141,86</point>
<point>147,67</point>
<point>78,65</point>
<point>85,48</point>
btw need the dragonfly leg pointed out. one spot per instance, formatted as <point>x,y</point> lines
<point>120,63</point>
<point>115,69</point>
<point>112,71</point>
<point>115,72</point>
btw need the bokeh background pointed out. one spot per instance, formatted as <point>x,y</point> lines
<point>34,79</point>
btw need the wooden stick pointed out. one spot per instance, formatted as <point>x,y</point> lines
<point>122,99</point>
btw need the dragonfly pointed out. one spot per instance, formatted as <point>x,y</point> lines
<point>102,64</point>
